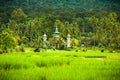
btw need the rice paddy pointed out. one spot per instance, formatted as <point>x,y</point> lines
<point>60,65</point>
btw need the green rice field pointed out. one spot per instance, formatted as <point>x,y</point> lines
<point>60,65</point>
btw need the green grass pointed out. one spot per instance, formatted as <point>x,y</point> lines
<point>60,65</point>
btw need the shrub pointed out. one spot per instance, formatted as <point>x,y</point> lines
<point>1,52</point>
<point>74,42</point>
<point>7,40</point>
<point>20,49</point>
<point>68,49</point>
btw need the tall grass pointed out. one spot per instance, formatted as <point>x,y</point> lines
<point>60,65</point>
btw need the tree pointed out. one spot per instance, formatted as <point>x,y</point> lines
<point>113,16</point>
<point>7,41</point>
<point>106,30</point>
<point>74,42</point>
<point>57,43</point>
<point>18,15</point>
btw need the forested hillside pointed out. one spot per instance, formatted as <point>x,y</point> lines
<point>95,22</point>
<point>36,8</point>
<point>62,4</point>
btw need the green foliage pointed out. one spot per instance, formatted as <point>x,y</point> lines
<point>57,43</point>
<point>51,65</point>
<point>7,40</point>
<point>74,42</point>
<point>75,17</point>
<point>106,30</point>
<point>20,48</point>
<point>18,15</point>
<point>113,16</point>
<point>63,4</point>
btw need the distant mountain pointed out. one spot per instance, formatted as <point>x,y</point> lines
<point>78,5</point>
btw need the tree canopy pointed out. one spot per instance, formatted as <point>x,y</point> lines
<point>95,22</point>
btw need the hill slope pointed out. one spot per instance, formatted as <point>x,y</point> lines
<point>78,5</point>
